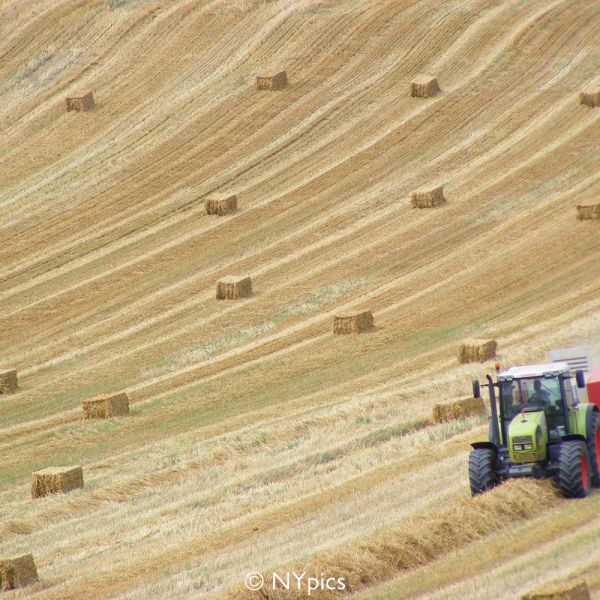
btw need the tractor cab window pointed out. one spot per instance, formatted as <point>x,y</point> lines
<point>534,393</point>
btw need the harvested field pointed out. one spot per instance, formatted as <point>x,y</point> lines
<point>353,323</point>
<point>106,406</point>
<point>429,198</point>
<point>234,287</point>
<point>258,439</point>
<point>17,572</point>
<point>81,103</point>
<point>56,480</point>
<point>272,81</point>
<point>567,590</point>
<point>424,86</point>
<point>8,382</point>
<point>590,98</point>
<point>457,409</point>
<point>477,351</point>
<point>220,206</point>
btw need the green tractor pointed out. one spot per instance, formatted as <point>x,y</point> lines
<point>539,428</point>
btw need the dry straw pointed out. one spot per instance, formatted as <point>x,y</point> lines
<point>477,351</point>
<point>8,382</point>
<point>81,103</point>
<point>354,323</point>
<point>418,539</point>
<point>424,86</point>
<point>575,589</point>
<point>17,571</point>
<point>587,212</point>
<point>428,198</point>
<point>106,406</point>
<point>220,206</point>
<point>233,287</point>
<point>56,480</point>
<point>457,409</point>
<point>272,81</point>
<point>590,97</point>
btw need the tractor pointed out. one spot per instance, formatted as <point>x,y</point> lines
<point>542,425</point>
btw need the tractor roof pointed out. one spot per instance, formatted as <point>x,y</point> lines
<point>553,368</point>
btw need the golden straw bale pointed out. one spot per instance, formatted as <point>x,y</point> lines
<point>457,409</point>
<point>17,571</point>
<point>353,323</point>
<point>106,406</point>
<point>234,287</point>
<point>81,103</point>
<point>477,351</point>
<point>428,198</point>
<point>575,589</point>
<point>8,382</point>
<point>272,81</point>
<point>587,212</point>
<point>590,97</point>
<point>424,86</point>
<point>56,480</point>
<point>220,206</point>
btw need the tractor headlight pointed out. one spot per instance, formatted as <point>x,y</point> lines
<point>517,446</point>
<point>527,446</point>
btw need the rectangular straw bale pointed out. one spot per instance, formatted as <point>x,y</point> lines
<point>590,97</point>
<point>457,409</point>
<point>17,572</point>
<point>220,206</point>
<point>272,81</point>
<point>8,382</point>
<point>353,323</point>
<point>477,351</point>
<point>570,590</point>
<point>588,212</point>
<point>55,480</point>
<point>106,406</point>
<point>424,86</point>
<point>428,198</point>
<point>234,287</point>
<point>80,103</point>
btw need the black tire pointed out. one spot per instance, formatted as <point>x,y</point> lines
<point>482,475</point>
<point>574,473</point>
<point>592,442</point>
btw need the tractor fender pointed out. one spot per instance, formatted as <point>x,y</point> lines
<point>573,437</point>
<point>488,445</point>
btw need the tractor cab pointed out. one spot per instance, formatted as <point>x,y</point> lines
<point>539,428</point>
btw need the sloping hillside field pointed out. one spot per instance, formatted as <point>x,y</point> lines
<point>257,440</point>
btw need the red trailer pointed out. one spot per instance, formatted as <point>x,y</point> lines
<point>593,386</point>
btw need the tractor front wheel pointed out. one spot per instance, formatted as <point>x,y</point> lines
<point>574,472</point>
<point>482,475</point>
<point>592,441</point>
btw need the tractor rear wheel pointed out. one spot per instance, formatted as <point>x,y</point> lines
<point>574,472</point>
<point>482,475</point>
<point>592,441</point>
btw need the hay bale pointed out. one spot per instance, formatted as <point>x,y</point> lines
<point>81,103</point>
<point>590,97</point>
<point>56,480</point>
<point>353,323</point>
<point>428,198</point>
<point>587,212</point>
<point>220,206</point>
<point>234,287</point>
<point>17,571</point>
<point>457,409</point>
<point>477,351</point>
<point>424,86</point>
<point>106,406</point>
<point>272,81</point>
<point>8,382</point>
<point>576,589</point>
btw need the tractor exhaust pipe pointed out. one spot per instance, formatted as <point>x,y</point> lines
<point>494,409</point>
